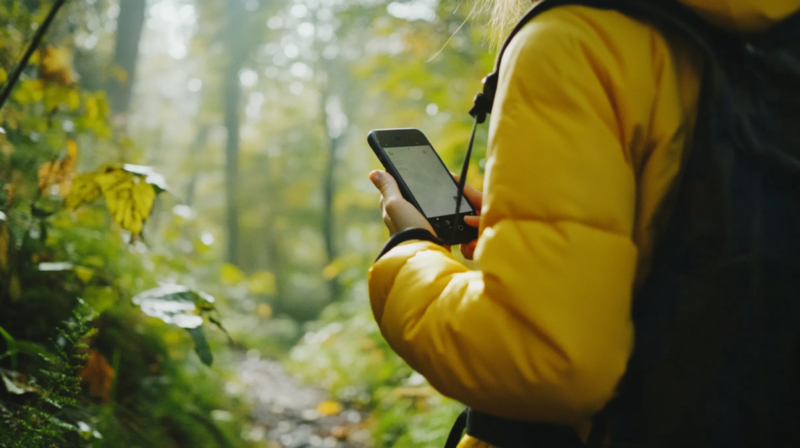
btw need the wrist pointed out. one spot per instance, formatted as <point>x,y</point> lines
<point>408,234</point>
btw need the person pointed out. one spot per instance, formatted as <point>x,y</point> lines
<point>592,124</point>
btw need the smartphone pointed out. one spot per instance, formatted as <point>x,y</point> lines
<point>424,181</point>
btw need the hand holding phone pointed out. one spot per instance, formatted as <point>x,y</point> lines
<point>399,214</point>
<point>424,181</point>
<point>475,198</point>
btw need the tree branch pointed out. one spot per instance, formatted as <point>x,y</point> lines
<point>37,39</point>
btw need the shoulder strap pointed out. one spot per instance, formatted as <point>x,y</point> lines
<point>661,13</point>
<point>483,100</point>
<point>664,12</point>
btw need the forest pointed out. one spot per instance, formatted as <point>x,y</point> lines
<point>186,221</point>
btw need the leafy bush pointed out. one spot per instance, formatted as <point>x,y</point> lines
<point>39,418</point>
<point>82,366</point>
<point>345,353</point>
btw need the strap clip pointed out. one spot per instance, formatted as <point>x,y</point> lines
<point>482,104</point>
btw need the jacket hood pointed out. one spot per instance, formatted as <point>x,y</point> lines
<point>744,16</point>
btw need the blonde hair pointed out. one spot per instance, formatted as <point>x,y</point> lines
<point>503,14</point>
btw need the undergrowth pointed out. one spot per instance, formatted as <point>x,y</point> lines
<point>46,412</point>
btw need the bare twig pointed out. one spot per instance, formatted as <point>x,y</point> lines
<point>37,39</point>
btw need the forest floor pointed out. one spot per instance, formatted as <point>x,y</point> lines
<point>288,414</point>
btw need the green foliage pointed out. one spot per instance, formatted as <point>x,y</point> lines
<point>47,416</point>
<point>307,101</point>
<point>115,377</point>
<point>346,354</point>
<point>183,307</point>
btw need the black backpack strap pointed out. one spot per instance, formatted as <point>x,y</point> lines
<point>457,431</point>
<point>507,433</point>
<point>661,13</point>
<point>482,104</point>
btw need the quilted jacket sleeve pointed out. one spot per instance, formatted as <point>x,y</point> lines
<point>542,331</point>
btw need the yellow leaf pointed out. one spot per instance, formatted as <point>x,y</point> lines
<point>56,66</point>
<point>72,149</point>
<point>3,75</point>
<point>52,97</point>
<point>29,91</point>
<point>84,274</point>
<point>92,108</point>
<point>4,236</point>
<point>10,121</point>
<point>36,86</point>
<point>264,310</point>
<point>112,177</point>
<point>128,197</point>
<point>262,282</point>
<point>59,172</point>
<point>11,192</point>
<point>331,271</point>
<point>73,100</point>
<point>230,274</point>
<point>116,185</point>
<point>47,172</point>
<point>328,408</point>
<point>84,189</point>
<point>144,196</point>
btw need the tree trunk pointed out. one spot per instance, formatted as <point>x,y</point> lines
<point>328,221</point>
<point>232,94</point>
<point>126,53</point>
<point>196,147</point>
<point>328,217</point>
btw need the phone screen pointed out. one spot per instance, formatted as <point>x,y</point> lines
<point>428,180</point>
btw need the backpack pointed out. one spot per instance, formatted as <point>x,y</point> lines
<point>717,347</point>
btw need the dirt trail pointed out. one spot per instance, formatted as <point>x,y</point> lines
<point>285,412</point>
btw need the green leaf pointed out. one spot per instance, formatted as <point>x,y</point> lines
<point>150,176</point>
<point>231,274</point>
<point>100,298</point>
<point>11,386</point>
<point>181,306</point>
<point>12,348</point>
<point>32,348</point>
<point>201,345</point>
<point>175,304</point>
<point>219,325</point>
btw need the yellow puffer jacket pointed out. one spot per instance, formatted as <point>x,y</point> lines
<point>590,121</point>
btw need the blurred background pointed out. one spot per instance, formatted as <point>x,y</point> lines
<point>186,221</point>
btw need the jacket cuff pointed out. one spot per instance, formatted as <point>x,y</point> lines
<point>402,236</point>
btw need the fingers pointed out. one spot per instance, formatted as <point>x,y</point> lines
<point>468,250</point>
<point>474,196</point>
<point>391,198</point>
<point>473,221</point>
<point>387,220</point>
<point>384,182</point>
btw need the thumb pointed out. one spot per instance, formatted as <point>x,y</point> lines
<point>473,221</point>
<point>384,182</point>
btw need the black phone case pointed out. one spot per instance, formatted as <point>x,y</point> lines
<point>443,225</point>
